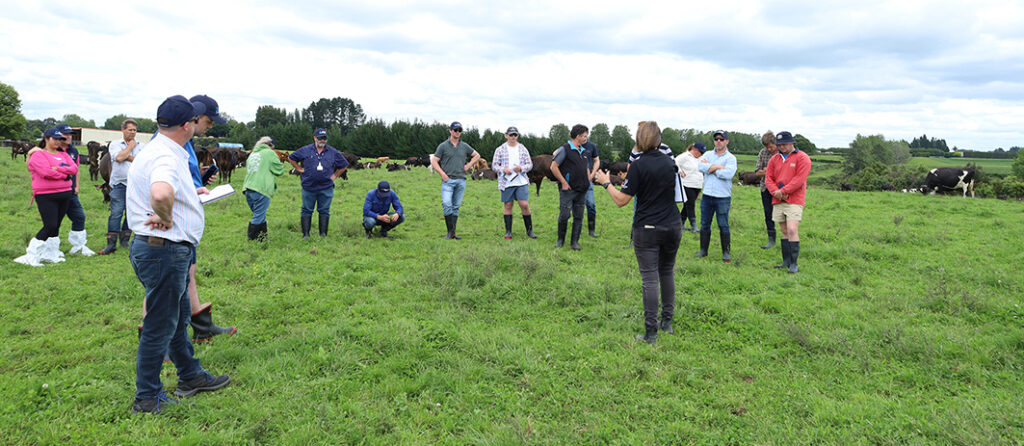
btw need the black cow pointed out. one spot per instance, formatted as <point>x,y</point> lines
<point>20,148</point>
<point>96,152</point>
<point>948,179</point>
<point>485,174</point>
<point>541,169</point>
<point>749,178</point>
<point>395,166</point>
<point>846,187</point>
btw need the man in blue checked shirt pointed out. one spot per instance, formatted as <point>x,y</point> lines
<point>718,168</point>
<point>375,210</point>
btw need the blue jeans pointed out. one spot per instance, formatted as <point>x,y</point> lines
<point>259,204</point>
<point>591,206</point>
<point>117,221</point>
<point>76,214</point>
<point>163,271</point>
<point>451,195</point>
<point>321,199</point>
<point>370,222</point>
<point>714,206</point>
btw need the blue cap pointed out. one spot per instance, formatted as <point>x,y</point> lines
<point>700,146</point>
<point>320,133</point>
<point>724,133</point>
<point>65,129</point>
<point>210,108</point>
<point>784,138</point>
<point>383,188</point>
<point>455,125</point>
<point>52,133</point>
<point>175,111</point>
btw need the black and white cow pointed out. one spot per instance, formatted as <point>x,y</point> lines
<point>945,179</point>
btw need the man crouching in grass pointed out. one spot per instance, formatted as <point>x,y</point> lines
<point>167,218</point>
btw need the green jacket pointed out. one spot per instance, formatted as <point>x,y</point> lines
<point>260,169</point>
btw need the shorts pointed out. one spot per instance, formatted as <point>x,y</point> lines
<point>784,212</point>
<point>517,193</point>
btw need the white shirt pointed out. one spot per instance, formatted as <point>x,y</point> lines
<point>688,164</point>
<point>119,171</point>
<point>164,161</point>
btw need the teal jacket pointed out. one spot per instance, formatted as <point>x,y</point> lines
<point>260,169</point>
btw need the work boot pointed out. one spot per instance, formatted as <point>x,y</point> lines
<point>205,382</point>
<point>325,222</point>
<point>592,224</point>
<point>726,244</point>
<point>528,222</point>
<point>705,241</point>
<point>666,326</point>
<point>562,226</point>
<point>785,254</point>
<point>771,241</point>
<point>31,257</point>
<point>203,327</point>
<point>78,240</point>
<point>252,231</point>
<point>111,244</point>
<point>794,252</point>
<point>508,227</point>
<point>577,229</point>
<point>650,335</point>
<point>153,405</point>
<point>126,237</point>
<point>306,223</point>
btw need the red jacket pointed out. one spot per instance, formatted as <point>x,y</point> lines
<point>790,175</point>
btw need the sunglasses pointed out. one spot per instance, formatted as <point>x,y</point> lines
<point>321,138</point>
<point>719,139</point>
<point>513,135</point>
<point>457,130</point>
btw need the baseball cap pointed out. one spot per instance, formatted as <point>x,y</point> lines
<point>700,146</point>
<point>211,110</point>
<point>784,138</point>
<point>455,125</point>
<point>65,129</point>
<point>511,130</point>
<point>724,133</point>
<point>320,133</point>
<point>175,111</point>
<point>383,188</point>
<point>52,133</point>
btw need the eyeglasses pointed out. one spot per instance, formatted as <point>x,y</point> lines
<point>514,135</point>
<point>719,139</point>
<point>457,130</point>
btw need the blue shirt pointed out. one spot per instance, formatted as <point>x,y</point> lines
<point>317,168</point>
<point>374,205</point>
<point>193,165</point>
<point>73,153</point>
<point>718,184</point>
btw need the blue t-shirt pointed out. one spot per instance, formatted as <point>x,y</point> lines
<point>317,168</point>
<point>193,165</point>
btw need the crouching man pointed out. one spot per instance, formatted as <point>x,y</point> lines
<point>375,210</point>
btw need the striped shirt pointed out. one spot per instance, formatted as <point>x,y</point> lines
<point>164,161</point>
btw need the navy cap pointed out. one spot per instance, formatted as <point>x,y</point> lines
<point>175,111</point>
<point>320,133</point>
<point>211,108</point>
<point>700,146</point>
<point>512,129</point>
<point>52,133</point>
<point>383,188</point>
<point>724,133</point>
<point>455,125</point>
<point>65,129</point>
<point>784,138</point>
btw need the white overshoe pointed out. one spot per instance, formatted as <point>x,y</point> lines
<point>77,240</point>
<point>51,251</point>
<point>31,257</point>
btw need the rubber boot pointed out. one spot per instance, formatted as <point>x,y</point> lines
<point>455,223</point>
<point>31,257</point>
<point>51,251</point>
<point>528,223</point>
<point>784,243</point>
<point>203,327</point>
<point>448,227</point>
<point>771,241</point>
<point>324,224</point>
<point>369,232</point>
<point>562,226</point>
<point>78,240</point>
<point>261,231</point>
<point>682,217</point>
<point>508,227</point>
<point>111,244</point>
<point>794,252</point>
<point>726,244</point>
<point>126,237</point>
<point>305,222</point>
<point>666,326</point>
<point>592,224</point>
<point>705,241</point>
<point>650,335</point>
<point>252,231</point>
<point>384,228</point>
<point>693,223</point>
<point>577,229</point>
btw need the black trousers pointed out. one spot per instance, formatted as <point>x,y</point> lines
<point>766,203</point>
<point>52,209</point>
<point>571,201</point>
<point>656,250</point>
<point>689,208</point>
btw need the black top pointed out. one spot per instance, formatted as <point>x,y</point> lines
<point>574,165</point>
<point>651,180</point>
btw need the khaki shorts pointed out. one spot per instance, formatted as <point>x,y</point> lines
<point>784,212</point>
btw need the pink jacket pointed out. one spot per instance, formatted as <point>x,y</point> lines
<point>46,180</point>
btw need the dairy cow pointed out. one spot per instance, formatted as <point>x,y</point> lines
<point>948,179</point>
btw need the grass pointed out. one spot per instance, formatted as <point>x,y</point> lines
<point>992,166</point>
<point>904,326</point>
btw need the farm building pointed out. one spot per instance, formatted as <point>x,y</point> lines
<point>83,135</point>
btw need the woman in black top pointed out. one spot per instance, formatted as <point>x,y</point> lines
<point>656,226</point>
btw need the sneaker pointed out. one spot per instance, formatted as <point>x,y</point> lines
<point>202,383</point>
<point>153,405</point>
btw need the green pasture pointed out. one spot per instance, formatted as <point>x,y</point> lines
<point>904,326</point>
<point>993,166</point>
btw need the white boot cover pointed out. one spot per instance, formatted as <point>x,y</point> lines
<point>31,257</point>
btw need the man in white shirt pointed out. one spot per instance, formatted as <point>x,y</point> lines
<point>122,153</point>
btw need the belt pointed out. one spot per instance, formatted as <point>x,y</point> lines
<point>158,241</point>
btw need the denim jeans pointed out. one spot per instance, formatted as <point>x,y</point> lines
<point>591,205</point>
<point>766,203</point>
<point>655,250</point>
<point>163,271</point>
<point>117,221</point>
<point>321,199</point>
<point>76,214</point>
<point>717,207</point>
<point>259,204</point>
<point>370,222</point>
<point>451,195</point>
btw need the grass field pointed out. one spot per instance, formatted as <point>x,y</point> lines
<point>993,166</point>
<point>904,326</point>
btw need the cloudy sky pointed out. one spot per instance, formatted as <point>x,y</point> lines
<point>826,69</point>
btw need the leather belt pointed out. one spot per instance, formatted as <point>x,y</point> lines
<point>159,241</point>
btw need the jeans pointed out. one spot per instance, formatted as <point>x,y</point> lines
<point>163,271</point>
<point>591,206</point>
<point>655,250</point>
<point>714,206</point>
<point>690,207</point>
<point>117,199</point>
<point>259,204</point>
<point>571,201</point>
<point>52,208</point>
<point>451,195</point>
<point>766,203</point>
<point>76,214</point>
<point>370,222</point>
<point>321,199</point>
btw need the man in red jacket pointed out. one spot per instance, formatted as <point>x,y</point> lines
<point>786,179</point>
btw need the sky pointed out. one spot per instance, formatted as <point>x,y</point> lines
<point>828,70</point>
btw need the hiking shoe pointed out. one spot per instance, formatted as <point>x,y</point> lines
<point>153,405</point>
<point>202,383</point>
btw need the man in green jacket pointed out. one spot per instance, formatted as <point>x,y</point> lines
<point>261,168</point>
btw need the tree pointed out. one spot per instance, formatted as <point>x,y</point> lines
<point>559,133</point>
<point>805,144</point>
<point>114,122</point>
<point>34,128</point>
<point>340,112</point>
<point>268,115</point>
<point>601,137</point>
<point>77,121</point>
<point>621,139</point>
<point>1018,166</point>
<point>867,150</point>
<point>12,122</point>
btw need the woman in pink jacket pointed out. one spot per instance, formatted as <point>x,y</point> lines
<point>51,171</point>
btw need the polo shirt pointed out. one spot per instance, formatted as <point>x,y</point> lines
<point>452,159</point>
<point>651,180</point>
<point>164,161</point>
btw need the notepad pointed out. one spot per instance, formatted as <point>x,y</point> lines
<point>217,193</point>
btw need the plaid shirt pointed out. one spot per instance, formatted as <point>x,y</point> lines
<point>762,163</point>
<point>500,162</point>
